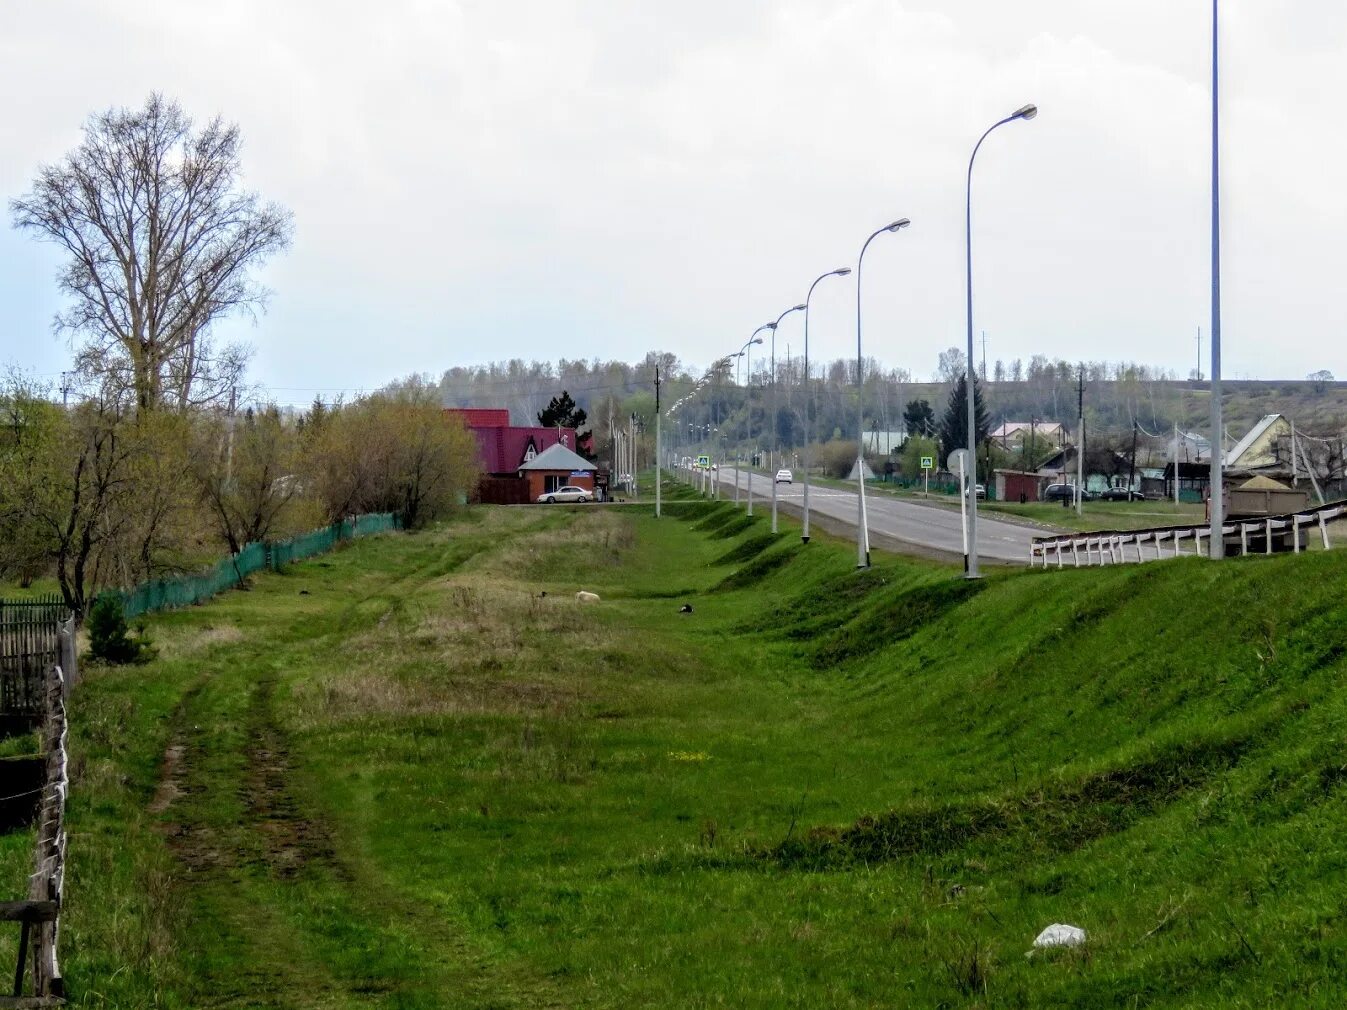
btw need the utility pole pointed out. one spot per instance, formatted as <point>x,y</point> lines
<point>1080,436</point>
<point>631,453</point>
<point>984,355</point>
<point>65,389</point>
<point>659,463</point>
<point>1199,354</point>
<point>1132,463</point>
<point>1176,462</point>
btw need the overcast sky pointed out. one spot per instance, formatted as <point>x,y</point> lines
<point>482,180</point>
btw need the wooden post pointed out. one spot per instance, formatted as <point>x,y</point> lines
<point>1267,547</point>
<point>1323,530</point>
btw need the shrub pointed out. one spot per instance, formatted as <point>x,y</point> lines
<point>108,639</point>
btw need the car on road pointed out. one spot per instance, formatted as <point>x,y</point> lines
<point>784,477</point>
<point>565,494</point>
<point>1065,492</point>
<point>1121,494</point>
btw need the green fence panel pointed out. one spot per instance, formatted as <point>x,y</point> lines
<point>227,573</point>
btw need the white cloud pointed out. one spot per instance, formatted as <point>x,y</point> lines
<point>491,179</point>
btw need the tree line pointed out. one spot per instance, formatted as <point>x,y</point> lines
<point>103,493</point>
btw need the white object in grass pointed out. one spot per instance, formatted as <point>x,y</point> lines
<point>1060,935</point>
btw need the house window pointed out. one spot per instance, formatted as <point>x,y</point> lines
<point>553,482</point>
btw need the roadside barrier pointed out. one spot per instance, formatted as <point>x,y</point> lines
<point>1111,547</point>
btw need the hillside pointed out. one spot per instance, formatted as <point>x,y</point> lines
<point>400,776</point>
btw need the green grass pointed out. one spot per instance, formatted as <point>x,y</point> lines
<point>399,776</point>
<point>1101,515</point>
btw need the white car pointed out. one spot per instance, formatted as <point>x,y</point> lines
<point>568,493</point>
<point>784,477</point>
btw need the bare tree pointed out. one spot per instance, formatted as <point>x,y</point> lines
<point>952,364</point>
<point>161,242</point>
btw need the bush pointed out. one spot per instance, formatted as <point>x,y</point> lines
<point>108,639</point>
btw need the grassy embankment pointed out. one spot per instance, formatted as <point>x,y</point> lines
<point>398,776</point>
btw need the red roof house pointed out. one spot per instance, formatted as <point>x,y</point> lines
<point>502,448</point>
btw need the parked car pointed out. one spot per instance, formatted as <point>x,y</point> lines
<point>563,494</point>
<point>784,477</point>
<point>1065,492</point>
<point>981,491</point>
<point>1121,494</point>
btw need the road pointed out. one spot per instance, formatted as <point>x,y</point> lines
<point>929,529</point>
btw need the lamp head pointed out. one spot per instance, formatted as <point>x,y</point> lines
<point>756,340</point>
<point>799,308</point>
<point>842,271</point>
<point>902,222</point>
<point>1028,112</point>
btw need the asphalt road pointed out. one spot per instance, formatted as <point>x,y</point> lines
<point>928,529</point>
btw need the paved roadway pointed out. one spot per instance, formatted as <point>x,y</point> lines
<point>928,528</point>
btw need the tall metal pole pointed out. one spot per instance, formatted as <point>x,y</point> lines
<point>1217,511</point>
<point>1080,437</point>
<point>659,461</point>
<point>748,368</point>
<point>775,442</point>
<point>862,525</point>
<point>839,272</point>
<point>737,358</point>
<point>971,558</point>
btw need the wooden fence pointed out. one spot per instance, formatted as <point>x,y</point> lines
<point>1243,536</point>
<point>39,914</point>
<point>34,635</point>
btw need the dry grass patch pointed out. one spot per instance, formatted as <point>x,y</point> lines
<point>194,640</point>
<point>589,538</point>
<point>368,693</point>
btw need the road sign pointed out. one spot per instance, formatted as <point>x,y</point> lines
<point>959,462</point>
<point>928,462</point>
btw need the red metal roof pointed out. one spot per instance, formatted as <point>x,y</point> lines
<point>481,417</point>
<point>504,450</point>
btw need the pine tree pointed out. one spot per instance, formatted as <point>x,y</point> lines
<point>564,412</point>
<point>953,428</point>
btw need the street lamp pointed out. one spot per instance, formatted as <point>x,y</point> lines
<point>736,356</point>
<point>971,558</point>
<point>1217,492</point>
<point>748,373</point>
<point>774,327</point>
<point>862,526</point>
<point>839,272</point>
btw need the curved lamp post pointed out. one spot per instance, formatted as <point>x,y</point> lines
<point>839,272</point>
<point>774,327</point>
<point>862,526</point>
<point>736,356</point>
<point>971,558</point>
<point>748,373</point>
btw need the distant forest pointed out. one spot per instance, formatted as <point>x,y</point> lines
<point>1116,395</point>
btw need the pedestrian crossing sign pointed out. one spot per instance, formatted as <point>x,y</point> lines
<point>927,463</point>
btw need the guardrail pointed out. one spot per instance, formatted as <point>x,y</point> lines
<point>1157,543</point>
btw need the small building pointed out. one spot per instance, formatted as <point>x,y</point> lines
<point>1194,480</point>
<point>556,467</point>
<point>1017,485</point>
<point>502,448</point>
<point>1268,449</point>
<point>1017,432</point>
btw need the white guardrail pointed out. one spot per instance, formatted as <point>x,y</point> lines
<point>1106,547</point>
